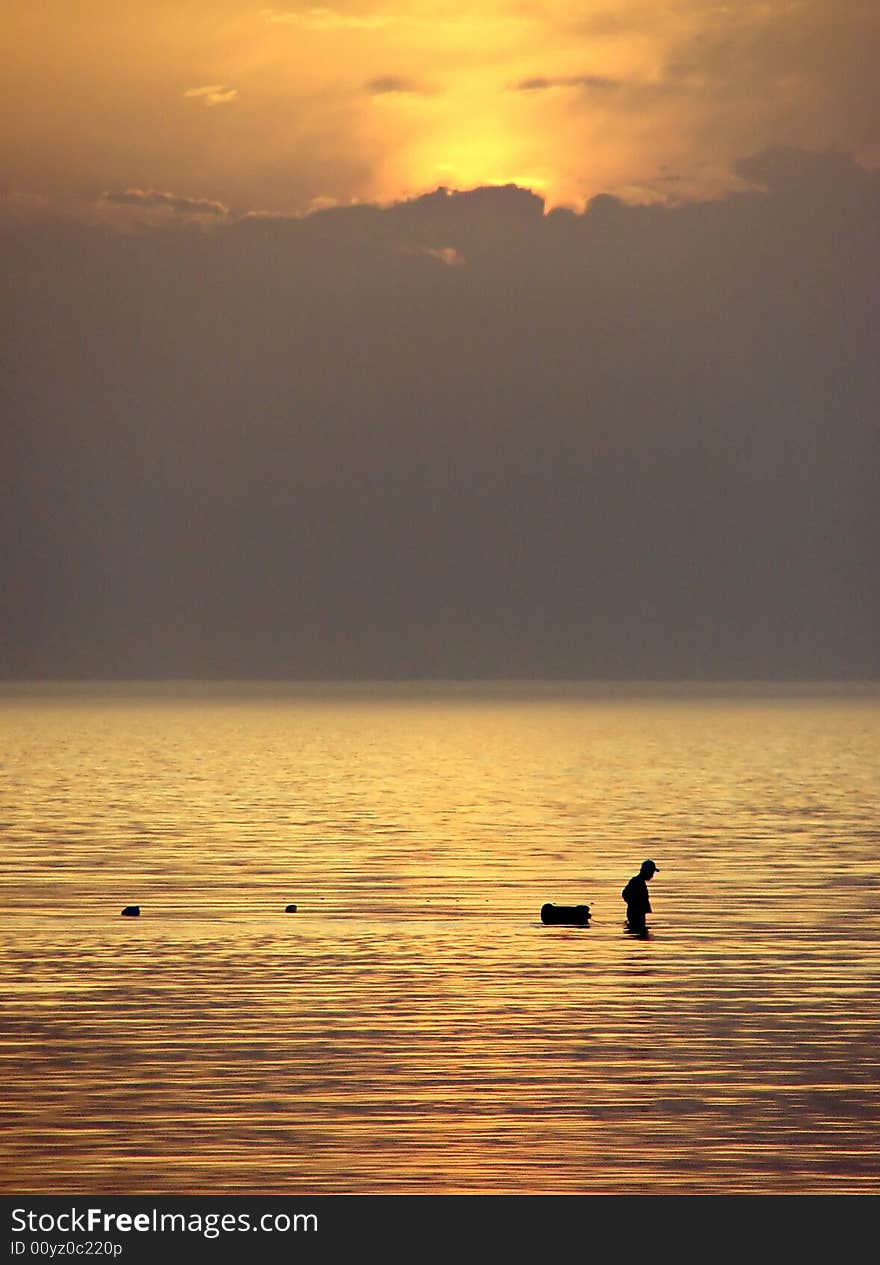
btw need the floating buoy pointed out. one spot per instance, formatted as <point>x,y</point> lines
<point>131,911</point>
<point>290,909</point>
<point>577,915</point>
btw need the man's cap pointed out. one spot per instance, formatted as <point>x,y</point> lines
<point>649,865</point>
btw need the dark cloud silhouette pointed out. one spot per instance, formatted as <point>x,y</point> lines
<point>541,84</point>
<point>384,85</point>
<point>154,199</point>
<point>641,441</point>
<point>806,175</point>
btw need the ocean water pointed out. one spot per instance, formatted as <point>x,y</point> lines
<point>413,1027</point>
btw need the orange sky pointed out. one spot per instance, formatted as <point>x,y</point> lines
<point>280,109</point>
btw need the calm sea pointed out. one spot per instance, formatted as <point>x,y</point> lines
<point>413,1027</point>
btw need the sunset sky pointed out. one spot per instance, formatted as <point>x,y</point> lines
<point>285,108</point>
<point>446,340</point>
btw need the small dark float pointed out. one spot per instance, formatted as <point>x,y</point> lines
<point>574,915</point>
<point>290,909</point>
<point>131,911</point>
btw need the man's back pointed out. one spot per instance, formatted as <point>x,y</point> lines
<point>636,896</point>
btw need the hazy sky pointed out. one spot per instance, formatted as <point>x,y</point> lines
<point>278,108</point>
<point>272,407</point>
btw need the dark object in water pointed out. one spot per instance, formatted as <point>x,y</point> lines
<point>578,915</point>
<point>131,911</point>
<point>290,909</point>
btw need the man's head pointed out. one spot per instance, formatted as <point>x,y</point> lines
<point>648,870</point>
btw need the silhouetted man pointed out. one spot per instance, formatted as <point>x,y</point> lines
<point>636,896</point>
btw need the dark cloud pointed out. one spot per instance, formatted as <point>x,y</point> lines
<point>640,441</point>
<point>600,83</point>
<point>175,202</point>
<point>384,85</point>
<point>804,174</point>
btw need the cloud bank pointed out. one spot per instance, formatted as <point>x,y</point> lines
<point>633,442</point>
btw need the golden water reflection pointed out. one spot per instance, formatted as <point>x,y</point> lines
<point>414,1027</point>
